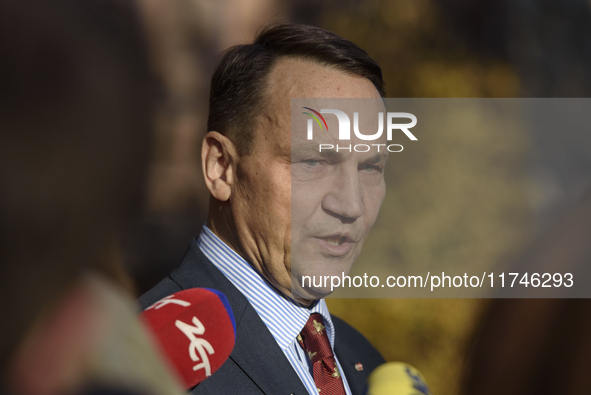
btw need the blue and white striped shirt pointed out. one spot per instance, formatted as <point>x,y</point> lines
<point>283,317</point>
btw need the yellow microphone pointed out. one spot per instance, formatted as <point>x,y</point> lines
<point>397,378</point>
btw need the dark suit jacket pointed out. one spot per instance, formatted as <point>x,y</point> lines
<point>257,365</point>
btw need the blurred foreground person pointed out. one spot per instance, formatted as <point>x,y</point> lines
<point>75,134</point>
<point>539,346</point>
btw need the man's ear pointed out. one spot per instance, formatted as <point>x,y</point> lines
<point>218,158</point>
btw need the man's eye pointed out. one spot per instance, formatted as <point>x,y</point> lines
<point>311,162</point>
<point>370,168</point>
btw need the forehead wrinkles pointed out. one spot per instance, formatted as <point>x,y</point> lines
<point>293,77</point>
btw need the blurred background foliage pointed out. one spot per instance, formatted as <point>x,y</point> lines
<point>457,200</point>
<point>460,200</point>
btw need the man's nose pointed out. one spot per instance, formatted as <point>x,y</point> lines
<point>345,196</point>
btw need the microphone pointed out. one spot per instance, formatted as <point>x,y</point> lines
<point>195,330</point>
<point>397,378</point>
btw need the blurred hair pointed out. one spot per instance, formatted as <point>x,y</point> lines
<point>237,86</point>
<point>74,145</point>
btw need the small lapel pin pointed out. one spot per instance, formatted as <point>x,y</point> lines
<point>358,367</point>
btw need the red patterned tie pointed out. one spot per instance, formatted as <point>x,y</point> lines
<point>314,341</point>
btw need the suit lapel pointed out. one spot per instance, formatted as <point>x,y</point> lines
<point>256,352</point>
<point>357,380</point>
<point>259,356</point>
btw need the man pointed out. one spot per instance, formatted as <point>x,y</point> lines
<point>254,229</point>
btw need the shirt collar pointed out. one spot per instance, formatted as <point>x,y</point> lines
<point>283,317</point>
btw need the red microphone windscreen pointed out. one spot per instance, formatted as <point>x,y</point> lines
<point>196,331</point>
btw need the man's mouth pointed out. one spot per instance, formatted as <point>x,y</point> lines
<point>336,240</point>
<point>336,244</point>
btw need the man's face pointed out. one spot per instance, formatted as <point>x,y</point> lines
<point>337,191</point>
<point>294,208</point>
